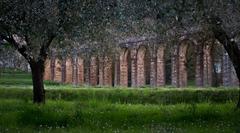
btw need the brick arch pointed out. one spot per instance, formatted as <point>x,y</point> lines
<point>180,72</point>
<point>124,65</point>
<point>141,54</point>
<point>179,62</point>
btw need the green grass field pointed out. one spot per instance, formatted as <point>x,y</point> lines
<point>86,109</point>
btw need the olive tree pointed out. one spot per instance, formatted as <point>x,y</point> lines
<point>31,27</point>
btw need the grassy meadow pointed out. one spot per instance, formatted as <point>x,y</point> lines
<point>86,109</point>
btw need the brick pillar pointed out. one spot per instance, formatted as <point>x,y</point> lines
<point>69,71</point>
<point>141,67</point>
<point>101,71</point>
<point>116,71</point>
<point>199,65</point>
<point>175,66</point>
<point>134,67</point>
<point>182,65</point>
<point>207,65</point>
<point>80,70</point>
<point>58,71</point>
<point>124,67</point>
<point>161,66</point>
<point>107,71</point>
<point>93,71</point>
<point>47,72</point>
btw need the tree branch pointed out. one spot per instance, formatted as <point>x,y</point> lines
<point>44,48</point>
<point>21,48</point>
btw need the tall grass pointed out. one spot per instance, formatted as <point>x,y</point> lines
<point>95,115</point>
<point>87,109</point>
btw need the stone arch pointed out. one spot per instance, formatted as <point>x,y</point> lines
<point>180,60</point>
<point>124,67</point>
<point>141,54</point>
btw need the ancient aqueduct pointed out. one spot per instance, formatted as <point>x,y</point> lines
<point>137,64</point>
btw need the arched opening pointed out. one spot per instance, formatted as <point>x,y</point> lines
<point>147,66</point>
<point>191,63</point>
<point>129,69</point>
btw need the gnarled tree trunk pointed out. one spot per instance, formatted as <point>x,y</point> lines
<point>231,47</point>
<point>37,79</point>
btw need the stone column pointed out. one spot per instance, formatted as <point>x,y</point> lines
<point>199,65</point>
<point>161,66</point>
<point>93,71</point>
<point>124,67</point>
<point>207,65</point>
<point>134,69</point>
<point>141,67</point>
<point>182,65</point>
